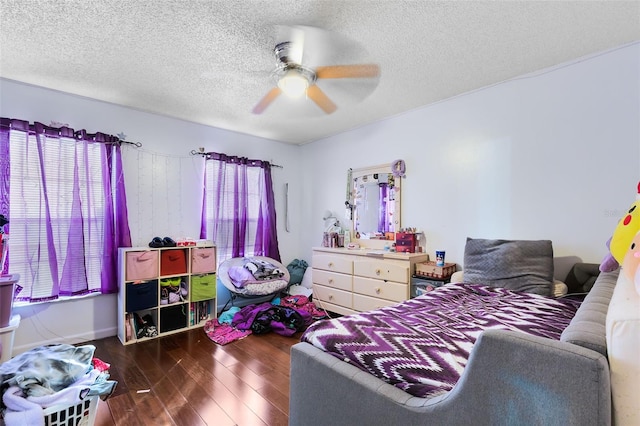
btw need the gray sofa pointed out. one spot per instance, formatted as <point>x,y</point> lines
<point>510,379</point>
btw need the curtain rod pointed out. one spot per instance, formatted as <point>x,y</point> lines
<point>63,129</point>
<point>204,154</point>
<point>136,144</point>
<point>121,139</point>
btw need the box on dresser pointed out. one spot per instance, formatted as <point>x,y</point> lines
<point>406,242</point>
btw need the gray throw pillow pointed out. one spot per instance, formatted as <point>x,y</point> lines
<point>518,265</point>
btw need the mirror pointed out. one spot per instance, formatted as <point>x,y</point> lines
<point>375,197</point>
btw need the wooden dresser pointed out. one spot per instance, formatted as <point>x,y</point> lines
<point>349,281</point>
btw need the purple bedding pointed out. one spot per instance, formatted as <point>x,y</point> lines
<point>422,345</point>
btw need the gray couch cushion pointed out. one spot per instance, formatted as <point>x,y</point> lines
<point>519,265</point>
<point>588,327</point>
<point>581,277</point>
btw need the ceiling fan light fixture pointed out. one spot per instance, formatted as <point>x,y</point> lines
<point>294,77</point>
<point>293,83</point>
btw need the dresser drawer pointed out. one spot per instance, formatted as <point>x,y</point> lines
<point>321,304</point>
<point>332,295</point>
<point>383,289</point>
<point>367,303</point>
<point>384,270</point>
<point>332,279</point>
<point>331,262</point>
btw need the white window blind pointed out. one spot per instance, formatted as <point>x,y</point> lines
<point>28,238</point>
<point>227,211</point>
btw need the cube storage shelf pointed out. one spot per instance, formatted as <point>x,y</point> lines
<point>164,290</point>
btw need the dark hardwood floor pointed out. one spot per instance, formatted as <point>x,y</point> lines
<point>186,379</point>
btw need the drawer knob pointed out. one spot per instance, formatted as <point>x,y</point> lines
<point>330,280</point>
<point>377,290</point>
<point>330,264</point>
<point>331,297</point>
<point>378,271</point>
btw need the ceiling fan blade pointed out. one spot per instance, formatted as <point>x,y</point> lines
<point>290,44</point>
<point>348,71</point>
<point>266,101</point>
<point>321,99</point>
<point>297,44</point>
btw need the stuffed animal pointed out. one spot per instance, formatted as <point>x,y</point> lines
<point>626,229</point>
<point>623,320</point>
<point>618,245</point>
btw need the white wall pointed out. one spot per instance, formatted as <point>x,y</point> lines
<point>554,155</point>
<point>164,190</point>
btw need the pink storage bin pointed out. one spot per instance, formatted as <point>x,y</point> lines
<point>141,265</point>
<point>203,260</point>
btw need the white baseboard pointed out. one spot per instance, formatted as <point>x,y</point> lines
<point>77,339</point>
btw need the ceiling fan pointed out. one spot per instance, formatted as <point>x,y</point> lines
<point>295,76</point>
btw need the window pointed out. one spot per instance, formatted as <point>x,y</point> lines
<point>62,238</point>
<point>238,210</point>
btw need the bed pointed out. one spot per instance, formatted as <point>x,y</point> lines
<point>465,353</point>
<point>422,345</point>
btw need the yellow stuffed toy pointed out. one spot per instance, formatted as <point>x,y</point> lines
<point>626,229</point>
<point>623,320</point>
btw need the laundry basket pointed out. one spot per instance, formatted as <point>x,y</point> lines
<point>80,414</point>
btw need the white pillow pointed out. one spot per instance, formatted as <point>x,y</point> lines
<point>306,279</point>
<point>457,277</point>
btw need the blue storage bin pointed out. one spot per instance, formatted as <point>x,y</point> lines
<point>141,295</point>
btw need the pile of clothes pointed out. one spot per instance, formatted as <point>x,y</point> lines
<point>263,270</point>
<point>49,376</point>
<point>284,316</point>
<point>255,276</point>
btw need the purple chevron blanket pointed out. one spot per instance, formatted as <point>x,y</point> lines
<point>422,345</point>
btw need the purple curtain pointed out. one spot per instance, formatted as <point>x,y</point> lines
<point>383,222</point>
<point>4,183</point>
<point>267,237</point>
<point>80,219</point>
<point>238,209</point>
<point>118,226</point>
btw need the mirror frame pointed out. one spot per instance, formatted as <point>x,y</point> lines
<point>383,168</point>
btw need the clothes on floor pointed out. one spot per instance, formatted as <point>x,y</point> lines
<point>223,333</point>
<point>227,316</point>
<point>284,315</point>
<point>302,303</point>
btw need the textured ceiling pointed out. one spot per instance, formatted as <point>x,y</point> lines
<point>210,61</point>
